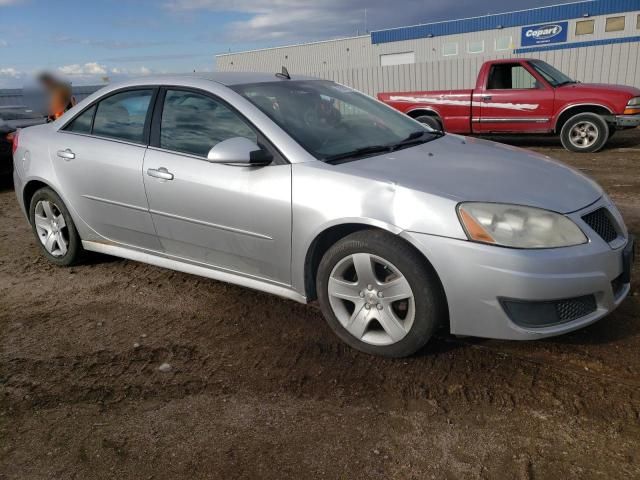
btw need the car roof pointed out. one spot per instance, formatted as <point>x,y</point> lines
<point>224,78</point>
<point>240,78</point>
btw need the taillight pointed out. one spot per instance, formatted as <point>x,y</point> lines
<point>13,137</point>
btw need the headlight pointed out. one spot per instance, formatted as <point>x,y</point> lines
<point>634,102</point>
<point>517,226</point>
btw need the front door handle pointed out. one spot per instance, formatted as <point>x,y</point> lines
<point>486,98</point>
<point>161,173</point>
<point>66,154</point>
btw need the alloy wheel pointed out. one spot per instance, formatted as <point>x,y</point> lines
<point>51,228</point>
<point>372,299</point>
<point>584,134</point>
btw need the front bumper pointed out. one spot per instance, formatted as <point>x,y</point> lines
<point>627,121</point>
<point>478,278</point>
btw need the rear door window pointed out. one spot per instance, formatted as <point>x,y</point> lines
<point>122,116</point>
<point>194,123</point>
<point>82,123</point>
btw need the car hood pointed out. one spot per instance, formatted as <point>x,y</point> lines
<point>604,88</point>
<point>471,169</point>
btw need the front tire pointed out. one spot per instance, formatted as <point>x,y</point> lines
<point>431,121</point>
<point>54,229</point>
<point>379,295</point>
<point>584,133</point>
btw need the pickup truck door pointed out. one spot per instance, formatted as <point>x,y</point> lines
<point>514,99</point>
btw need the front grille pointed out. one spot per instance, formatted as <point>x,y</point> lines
<point>545,314</point>
<point>600,222</point>
<point>575,308</point>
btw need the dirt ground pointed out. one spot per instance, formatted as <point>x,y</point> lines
<point>259,387</point>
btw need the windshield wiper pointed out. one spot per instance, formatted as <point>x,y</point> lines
<point>417,138</point>
<point>359,152</point>
<point>566,82</point>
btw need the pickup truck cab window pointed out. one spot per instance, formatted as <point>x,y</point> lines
<point>511,76</point>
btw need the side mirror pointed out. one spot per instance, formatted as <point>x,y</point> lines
<point>239,151</point>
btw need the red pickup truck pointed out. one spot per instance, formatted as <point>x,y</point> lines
<point>517,96</point>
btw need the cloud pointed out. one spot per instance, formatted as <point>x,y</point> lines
<point>10,72</point>
<point>11,77</point>
<point>3,43</point>
<point>286,21</point>
<point>156,57</point>
<point>106,44</point>
<point>128,72</point>
<point>91,68</point>
<point>6,3</point>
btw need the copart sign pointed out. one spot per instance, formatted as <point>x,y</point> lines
<point>544,34</point>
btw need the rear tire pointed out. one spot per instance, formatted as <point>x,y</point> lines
<point>54,229</point>
<point>584,133</point>
<point>379,295</point>
<point>431,121</point>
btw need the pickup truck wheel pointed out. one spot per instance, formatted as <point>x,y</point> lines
<point>585,133</point>
<point>378,294</point>
<point>431,121</point>
<point>54,229</point>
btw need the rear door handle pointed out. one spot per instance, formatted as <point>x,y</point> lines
<point>161,173</point>
<point>66,154</point>
<point>486,98</point>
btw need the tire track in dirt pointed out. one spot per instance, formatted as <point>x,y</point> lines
<point>444,380</point>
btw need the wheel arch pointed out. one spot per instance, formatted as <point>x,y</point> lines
<point>29,189</point>
<point>571,110</point>
<point>332,234</point>
<point>419,111</point>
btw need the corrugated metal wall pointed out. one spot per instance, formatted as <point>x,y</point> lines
<point>619,63</point>
<point>613,63</point>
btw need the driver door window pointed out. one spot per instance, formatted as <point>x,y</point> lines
<point>193,123</point>
<point>511,77</point>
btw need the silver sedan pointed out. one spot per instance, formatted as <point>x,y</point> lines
<point>307,189</point>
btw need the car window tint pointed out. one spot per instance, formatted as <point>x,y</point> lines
<point>193,123</point>
<point>122,116</point>
<point>82,123</point>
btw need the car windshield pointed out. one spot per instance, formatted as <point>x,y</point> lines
<point>333,122</point>
<point>552,75</point>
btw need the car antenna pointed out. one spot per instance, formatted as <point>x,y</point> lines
<point>284,75</point>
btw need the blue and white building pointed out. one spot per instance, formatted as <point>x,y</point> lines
<point>597,40</point>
